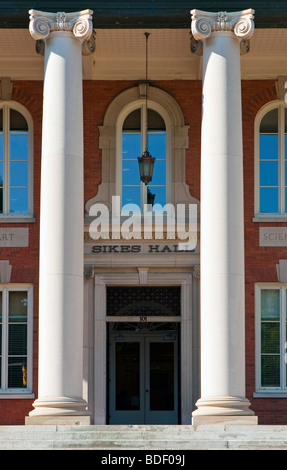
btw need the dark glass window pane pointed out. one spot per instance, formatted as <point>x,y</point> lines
<point>270,304</point>
<point>161,376</point>
<point>133,121</point>
<point>17,121</point>
<point>128,376</point>
<point>155,121</point>
<point>17,372</point>
<point>270,337</point>
<point>18,302</point>
<point>17,339</point>
<point>269,123</point>
<point>270,371</point>
<point>1,145</point>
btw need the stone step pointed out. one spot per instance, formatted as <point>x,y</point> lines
<point>216,437</point>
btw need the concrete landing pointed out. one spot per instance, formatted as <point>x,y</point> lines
<point>213,437</point>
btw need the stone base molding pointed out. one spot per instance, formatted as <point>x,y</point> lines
<point>59,410</point>
<point>223,410</point>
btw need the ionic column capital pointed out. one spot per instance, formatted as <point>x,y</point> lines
<point>240,23</point>
<point>42,24</point>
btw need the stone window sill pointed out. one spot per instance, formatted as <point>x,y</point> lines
<point>17,396</point>
<point>17,220</point>
<point>268,394</point>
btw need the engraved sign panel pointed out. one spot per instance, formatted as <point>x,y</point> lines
<point>273,236</point>
<point>14,237</point>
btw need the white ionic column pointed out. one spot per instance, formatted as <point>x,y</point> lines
<point>222,37</point>
<point>61,224</point>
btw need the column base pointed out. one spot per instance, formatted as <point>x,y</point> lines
<point>59,410</point>
<point>210,420</point>
<point>223,410</point>
<point>68,420</point>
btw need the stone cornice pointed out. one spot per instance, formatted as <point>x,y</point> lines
<point>240,23</point>
<point>42,24</point>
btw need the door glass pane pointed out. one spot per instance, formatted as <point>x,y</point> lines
<point>127,376</point>
<point>161,376</point>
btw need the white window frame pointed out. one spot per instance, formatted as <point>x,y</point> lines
<point>6,106</point>
<point>271,391</point>
<point>281,149</point>
<point>140,104</point>
<point>19,392</point>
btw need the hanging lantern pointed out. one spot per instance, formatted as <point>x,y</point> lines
<point>146,164</point>
<point>146,161</point>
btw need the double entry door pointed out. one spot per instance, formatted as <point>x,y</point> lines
<point>143,381</point>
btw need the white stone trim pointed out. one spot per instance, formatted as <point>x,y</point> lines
<point>109,143</point>
<point>97,389</point>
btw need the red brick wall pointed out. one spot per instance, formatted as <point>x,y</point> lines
<point>260,262</point>
<point>24,261</point>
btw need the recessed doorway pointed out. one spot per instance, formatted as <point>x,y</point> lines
<point>143,376</point>
<point>143,383</point>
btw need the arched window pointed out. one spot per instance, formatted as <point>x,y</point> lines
<point>15,160</point>
<point>271,153</point>
<point>133,145</point>
<point>122,140</point>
